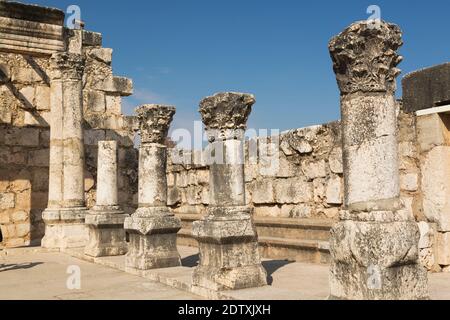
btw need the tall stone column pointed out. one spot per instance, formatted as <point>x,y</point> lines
<point>152,227</point>
<point>64,217</point>
<point>105,220</point>
<point>228,242</point>
<point>374,246</point>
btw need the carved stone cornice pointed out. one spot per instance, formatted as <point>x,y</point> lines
<point>365,58</point>
<point>66,66</point>
<point>154,122</point>
<point>225,114</point>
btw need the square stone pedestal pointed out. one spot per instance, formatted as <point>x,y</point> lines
<point>375,260</point>
<point>229,256</point>
<point>106,233</point>
<point>153,240</point>
<point>64,228</point>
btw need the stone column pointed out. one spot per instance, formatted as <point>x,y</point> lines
<point>374,246</point>
<point>228,242</point>
<point>105,220</point>
<point>64,217</point>
<point>152,227</point>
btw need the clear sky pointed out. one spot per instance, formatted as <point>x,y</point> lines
<point>179,51</point>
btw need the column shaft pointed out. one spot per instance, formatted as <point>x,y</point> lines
<point>107,174</point>
<point>73,144</point>
<point>55,191</point>
<point>227,178</point>
<point>152,175</point>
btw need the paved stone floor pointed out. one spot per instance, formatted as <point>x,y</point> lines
<point>34,274</point>
<point>43,276</point>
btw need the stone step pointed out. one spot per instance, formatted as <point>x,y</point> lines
<point>308,229</point>
<point>287,228</point>
<point>300,250</point>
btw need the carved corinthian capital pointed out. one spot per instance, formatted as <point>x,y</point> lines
<point>66,66</point>
<point>154,121</point>
<point>365,58</point>
<point>225,114</point>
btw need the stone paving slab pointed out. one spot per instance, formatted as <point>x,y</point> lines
<point>287,280</point>
<point>36,274</point>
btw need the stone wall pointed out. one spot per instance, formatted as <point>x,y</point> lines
<point>309,179</point>
<point>24,136</point>
<point>306,180</point>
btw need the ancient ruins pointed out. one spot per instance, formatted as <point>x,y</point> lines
<point>368,195</point>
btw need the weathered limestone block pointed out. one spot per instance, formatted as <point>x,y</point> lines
<point>91,38</point>
<point>41,119</point>
<point>373,260</point>
<point>95,101</point>
<point>293,190</point>
<point>334,190</point>
<point>114,104</point>
<point>427,235</point>
<point>431,131</point>
<point>116,85</point>
<point>228,243</point>
<point>442,250</point>
<point>436,186</point>
<point>27,137</point>
<point>319,189</point>
<point>267,211</point>
<point>409,181</point>
<point>105,220</point>
<point>374,247</point>
<point>39,158</point>
<point>335,161</point>
<point>152,227</point>
<point>6,200</point>
<point>173,196</point>
<point>314,170</point>
<point>101,54</point>
<point>42,98</point>
<point>263,191</point>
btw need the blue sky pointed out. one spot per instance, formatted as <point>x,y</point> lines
<point>179,51</point>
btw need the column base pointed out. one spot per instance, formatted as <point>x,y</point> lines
<point>374,260</point>
<point>152,240</point>
<point>229,255</point>
<point>106,233</point>
<point>64,228</point>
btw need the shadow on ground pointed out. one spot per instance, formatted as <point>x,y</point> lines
<point>270,266</point>
<point>15,266</point>
<point>273,265</point>
<point>190,261</point>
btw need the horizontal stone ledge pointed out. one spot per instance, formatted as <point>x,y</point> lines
<point>30,12</point>
<point>22,27</point>
<point>441,109</point>
<point>119,85</point>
